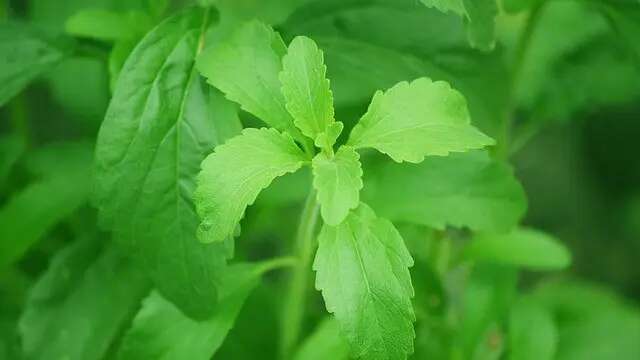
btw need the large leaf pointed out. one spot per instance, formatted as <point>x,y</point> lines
<point>306,88</point>
<point>362,270</point>
<point>162,331</point>
<point>161,123</point>
<point>233,176</point>
<point>246,68</point>
<point>338,180</point>
<point>25,53</point>
<point>469,190</point>
<point>413,120</point>
<point>522,248</point>
<point>81,303</point>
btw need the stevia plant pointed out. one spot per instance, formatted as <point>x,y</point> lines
<point>233,169</point>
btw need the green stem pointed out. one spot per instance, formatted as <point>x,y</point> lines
<point>294,303</point>
<point>502,150</point>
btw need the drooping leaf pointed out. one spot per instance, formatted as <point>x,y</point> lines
<point>324,343</point>
<point>417,119</point>
<point>162,121</point>
<point>233,176</point>
<point>521,248</point>
<point>533,335</point>
<point>338,180</point>
<point>81,303</point>
<point>306,88</point>
<point>161,331</point>
<point>463,190</point>
<point>108,25</point>
<point>245,68</point>
<point>25,53</point>
<point>31,213</point>
<point>362,270</point>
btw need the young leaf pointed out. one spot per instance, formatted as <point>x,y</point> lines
<point>362,270</point>
<point>162,121</point>
<point>108,25</point>
<point>522,247</point>
<point>338,180</point>
<point>162,331</point>
<point>533,335</point>
<point>233,176</point>
<point>76,310</point>
<point>324,343</point>
<point>413,120</point>
<point>25,53</point>
<point>463,190</point>
<point>306,88</point>
<point>246,69</point>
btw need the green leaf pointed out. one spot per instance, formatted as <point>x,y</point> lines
<point>25,53</point>
<point>160,331</point>
<point>11,148</point>
<point>306,88</point>
<point>533,335</point>
<point>107,25</point>
<point>324,343</point>
<point>118,55</point>
<point>362,270</point>
<point>527,248</point>
<point>30,213</point>
<point>413,120</point>
<point>81,303</point>
<point>162,121</point>
<point>338,180</point>
<point>246,69</point>
<point>464,190</point>
<point>233,176</point>
<point>479,18</point>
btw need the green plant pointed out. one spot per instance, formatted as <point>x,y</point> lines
<point>195,202</point>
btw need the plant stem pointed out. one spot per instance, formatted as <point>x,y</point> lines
<point>294,303</point>
<point>524,40</point>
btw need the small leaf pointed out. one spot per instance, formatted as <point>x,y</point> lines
<point>522,247</point>
<point>362,270</point>
<point>161,331</point>
<point>413,120</point>
<point>306,88</point>
<point>107,25</point>
<point>533,335</point>
<point>338,180</point>
<point>25,53</point>
<point>326,139</point>
<point>233,176</point>
<point>245,68</point>
<point>324,343</point>
<point>463,190</point>
<point>81,303</point>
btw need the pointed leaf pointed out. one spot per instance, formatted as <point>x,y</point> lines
<point>246,69</point>
<point>162,121</point>
<point>413,120</point>
<point>233,176</point>
<point>362,270</point>
<point>306,88</point>
<point>338,180</point>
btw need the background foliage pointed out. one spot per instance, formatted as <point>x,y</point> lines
<point>526,250</point>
